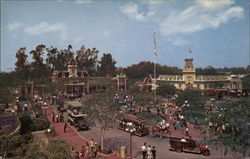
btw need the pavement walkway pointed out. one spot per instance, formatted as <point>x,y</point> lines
<point>72,136</point>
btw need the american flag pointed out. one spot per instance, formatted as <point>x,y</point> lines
<point>154,45</point>
<point>190,51</point>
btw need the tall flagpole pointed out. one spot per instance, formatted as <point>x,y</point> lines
<point>155,54</point>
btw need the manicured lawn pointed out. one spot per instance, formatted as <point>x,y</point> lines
<point>151,118</point>
<point>199,113</point>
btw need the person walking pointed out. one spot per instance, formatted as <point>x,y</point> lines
<point>144,150</point>
<point>87,150</point>
<point>82,152</point>
<point>154,152</point>
<point>186,134</point>
<point>91,144</point>
<point>65,127</point>
<point>95,150</point>
<point>53,117</point>
<point>158,110</point>
<point>163,111</point>
<point>57,118</point>
<point>149,152</point>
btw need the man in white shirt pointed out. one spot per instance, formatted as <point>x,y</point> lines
<point>144,150</point>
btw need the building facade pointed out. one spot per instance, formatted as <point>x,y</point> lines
<point>120,82</point>
<point>207,83</point>
<point>72,83</point>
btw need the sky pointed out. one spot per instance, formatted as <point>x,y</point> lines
<point>216,31</point>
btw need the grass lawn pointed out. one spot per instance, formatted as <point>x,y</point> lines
<point>151,118</point>
<point>199,113</point>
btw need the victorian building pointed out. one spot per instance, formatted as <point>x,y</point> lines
<point>72,83</point>
<point>120,82</point>
<point>207,83</point>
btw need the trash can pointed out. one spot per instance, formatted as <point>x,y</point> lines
<point>123,151</point>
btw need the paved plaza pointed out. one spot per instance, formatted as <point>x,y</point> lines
<point>116,138</point>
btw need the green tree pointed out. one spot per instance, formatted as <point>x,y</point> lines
<point>107,65</point>
<point>26,124</point>
<point>9,81</point>
<point>101,112</point>
<point>193,97</point>
<point>39,71</point>
<point>58,60</point>
<point>144,68</point>
<point>87,59</point>
<point>22,67</point>
<point>55,149</point>
<point>165,90</point>
<point>235,116</point>
<point>246,82</point>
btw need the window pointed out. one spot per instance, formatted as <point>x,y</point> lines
<point>179,85</point>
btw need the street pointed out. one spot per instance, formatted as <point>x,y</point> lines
<point>116,138</point>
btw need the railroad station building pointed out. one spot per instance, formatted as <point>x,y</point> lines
<point>206,83</point>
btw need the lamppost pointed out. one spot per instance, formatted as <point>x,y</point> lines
<point>13,124</point>
<point>45,107</point>
<point>186,106</point>
<point>132,131</point>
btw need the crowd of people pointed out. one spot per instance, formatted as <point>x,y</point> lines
<point>148,152</point>
<point>88,151</point>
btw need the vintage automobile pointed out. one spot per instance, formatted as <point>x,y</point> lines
<point>129,121</point>
<point>75,115</point>
<point>188,145</point>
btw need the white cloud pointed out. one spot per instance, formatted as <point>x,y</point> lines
<point>45,27</point>
<point>202,15</point>
<point>106,33</point>
<point>179,41</point>
<point>152,2</point>
<point>83,1</point>
<point>132,11</point>
<point>77,40</point>
<point>15,26</point>
<point>214,4</point>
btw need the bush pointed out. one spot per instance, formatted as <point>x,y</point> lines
<point>58,149</point>
<point>151,118</point>
<point>40,123</point>
<point>26,124</point>
<point>14,145</point>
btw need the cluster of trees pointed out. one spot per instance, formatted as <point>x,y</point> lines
<point>235,116</point>
<point>8,82</point>
<point>22,146</point>
<point>19,143</point>
<point>101,111</point>
<point>142,69</point>
<point>47,59</point>
<point>217,71</point>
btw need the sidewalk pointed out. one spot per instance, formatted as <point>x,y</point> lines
<point>71,136</point>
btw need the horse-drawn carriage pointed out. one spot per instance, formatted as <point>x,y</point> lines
<point>161,128</point>
<point>129,121</point>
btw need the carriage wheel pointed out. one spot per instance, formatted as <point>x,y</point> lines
<point>206,153</point>
<point>178,149</point>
